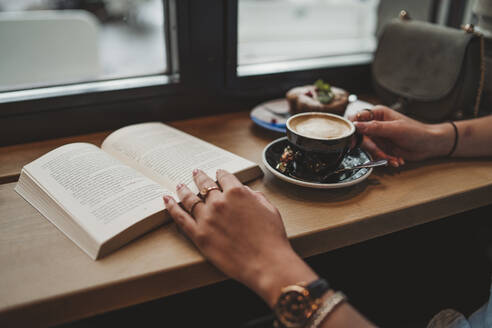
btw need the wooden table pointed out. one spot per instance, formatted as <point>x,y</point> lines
<point>46,279</point>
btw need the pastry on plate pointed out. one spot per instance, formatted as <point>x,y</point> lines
<point>319,97</point>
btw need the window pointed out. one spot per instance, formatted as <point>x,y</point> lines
<point>140,60</point>
<point>60,42</point>
<point>280,35</point>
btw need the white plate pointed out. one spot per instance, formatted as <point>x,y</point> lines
<point>358,177</point>
<point>263,114</point>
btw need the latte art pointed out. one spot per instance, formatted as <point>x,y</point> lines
<point>320,127</point>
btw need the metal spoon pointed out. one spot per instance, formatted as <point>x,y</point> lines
<point>323,179</point>
<point>381,162</point>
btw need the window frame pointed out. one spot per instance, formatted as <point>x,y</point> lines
<point>202,39</point>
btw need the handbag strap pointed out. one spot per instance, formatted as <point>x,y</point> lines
<point>482,76</point>
<point>469,28</point>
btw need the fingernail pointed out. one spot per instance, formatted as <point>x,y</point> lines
<point>402,161</point>
<point>179,186</point>
<point>394,163</point>
<point>167,199</point>
<point>195,171</point>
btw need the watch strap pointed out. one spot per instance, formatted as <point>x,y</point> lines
<point>318,288</point>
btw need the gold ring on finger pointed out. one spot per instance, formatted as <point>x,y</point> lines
<point>204,191</point>
<point>193,206</point>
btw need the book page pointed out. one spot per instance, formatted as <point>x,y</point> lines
<point>101,194</point>
<point>168,155</point>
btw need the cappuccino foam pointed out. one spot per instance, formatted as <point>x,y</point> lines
<point>322,127</point>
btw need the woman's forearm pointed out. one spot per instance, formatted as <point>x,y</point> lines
<point>291,269</point>
<point>287,268</point>
<point>474,138</point>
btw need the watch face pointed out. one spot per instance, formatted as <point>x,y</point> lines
<point>294,307</point>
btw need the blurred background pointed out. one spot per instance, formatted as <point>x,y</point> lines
<point>58,42</point>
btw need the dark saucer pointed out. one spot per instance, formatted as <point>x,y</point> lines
<point>274,150</point>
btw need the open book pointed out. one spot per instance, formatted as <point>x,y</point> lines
<point>102,198</point>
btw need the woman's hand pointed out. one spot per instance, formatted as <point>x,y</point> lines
<point>393,136</point>
<point>241,233</point>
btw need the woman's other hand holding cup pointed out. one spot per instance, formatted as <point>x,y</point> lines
<point>391,135</point>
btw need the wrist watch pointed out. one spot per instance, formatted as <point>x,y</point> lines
<point>297,303</point>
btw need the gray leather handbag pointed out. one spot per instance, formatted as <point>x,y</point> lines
<point>430,72</point>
